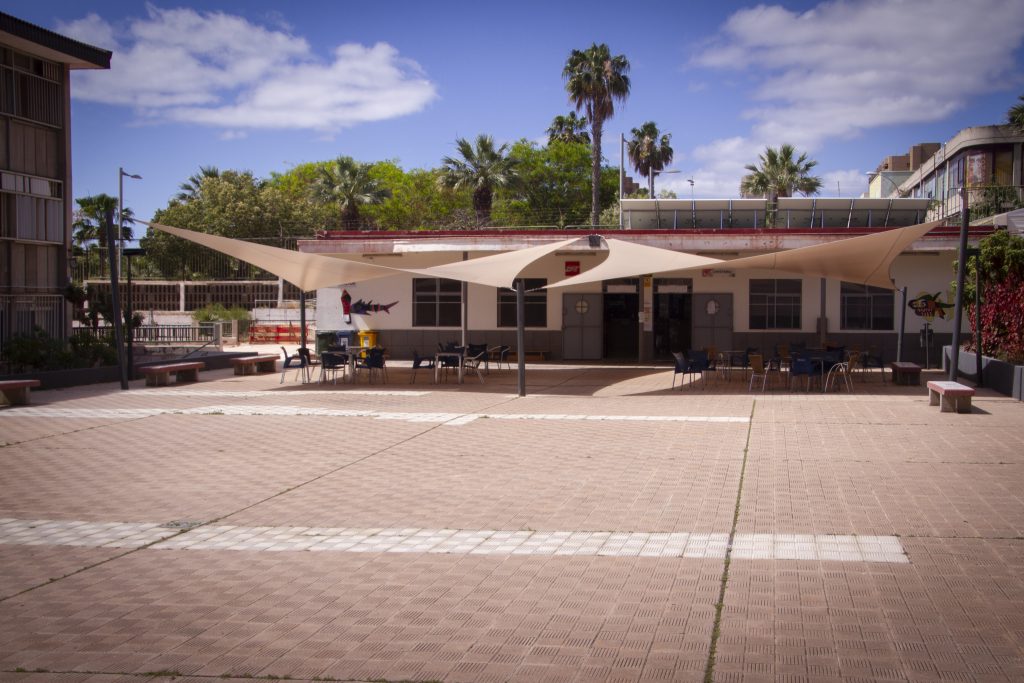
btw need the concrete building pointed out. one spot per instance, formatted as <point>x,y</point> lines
<point>35,173</point>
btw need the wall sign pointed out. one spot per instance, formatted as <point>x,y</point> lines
<point>572,268</point>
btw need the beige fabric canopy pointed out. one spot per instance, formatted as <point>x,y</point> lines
<point>626,259</point>
<point>865,259</point>
<point>498,270</point>
<point>305,271</point>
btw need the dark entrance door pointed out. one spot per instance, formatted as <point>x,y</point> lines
<point>581,326</point>
<point>621,319</point>
<point>673,312</point>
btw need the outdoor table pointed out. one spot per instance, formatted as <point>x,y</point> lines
<point>447,355</point>
<point>729,355</point>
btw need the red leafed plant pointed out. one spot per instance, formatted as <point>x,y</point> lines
<point>1002,320</point>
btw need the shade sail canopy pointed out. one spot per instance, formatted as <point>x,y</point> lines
<point>305,271</point>
<point>626,259</point>
<point>498,270</point>
<point>866,259</point>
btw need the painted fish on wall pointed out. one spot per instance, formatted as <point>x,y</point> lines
<point>929,306</point>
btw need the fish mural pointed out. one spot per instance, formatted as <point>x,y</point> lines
<point>360,307</point>
<point>929,306</point>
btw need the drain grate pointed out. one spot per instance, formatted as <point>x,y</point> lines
<point>183,524</point>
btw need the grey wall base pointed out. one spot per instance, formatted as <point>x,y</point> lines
<point>1006,378</point>
<point>401,343</point>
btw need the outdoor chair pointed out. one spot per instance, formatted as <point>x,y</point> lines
<point>297,362</point>
<point>681,365</point>
<point>450,362</point>
<point>801,367</point>
<point>701,363</point>
<point>474,363</point>
<point>758,371</point>
<point>418,362</point>
<point>839,371</point>
<point>330,363</point>
<point>500,353</point>
<point>873,359</point>
<point>373,362</point>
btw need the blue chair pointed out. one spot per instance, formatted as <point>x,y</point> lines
<point>418,362</point>
<point>802,366</point>
<point>373,362</point>
<point>700,363</point>
<point>298,362</point>
<point>681,365</point>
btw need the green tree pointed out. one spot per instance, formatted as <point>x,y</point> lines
<point>191,187</point>
<point>595,80</point>
<point>347,185</point>
<point>89,226</point>
<point>649,152</point>
<point>1015,116</point>
<point>780,173</point>
<point>569,128</point>
<point>481,169</point>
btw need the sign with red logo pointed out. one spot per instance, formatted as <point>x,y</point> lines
<point>572,268</point>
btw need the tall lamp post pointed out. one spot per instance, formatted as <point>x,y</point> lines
<point>121,175</point>
<point>130,314</point>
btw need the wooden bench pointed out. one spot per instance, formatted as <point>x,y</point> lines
<point>255,364</point>
<point>159,375</point>
<point>950,396</point>
<point>906,373</point>
<point>16,391</point>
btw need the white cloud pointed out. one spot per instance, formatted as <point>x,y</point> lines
<point>221,70</point>
<point>233,135</point>
<point>848,66</point>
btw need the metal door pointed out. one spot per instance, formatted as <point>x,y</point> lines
<point>581,326</point>
<point>712,321</point>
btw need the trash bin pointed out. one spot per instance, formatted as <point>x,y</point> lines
<point>323,340</point>
<point>367,338</point>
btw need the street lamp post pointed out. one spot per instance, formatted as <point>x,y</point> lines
<point>121,175</point>
<point>130,315</point>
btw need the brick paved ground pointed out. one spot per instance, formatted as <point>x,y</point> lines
<point>239,527</point>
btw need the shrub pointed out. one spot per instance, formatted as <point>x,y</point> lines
<point>37,350</point>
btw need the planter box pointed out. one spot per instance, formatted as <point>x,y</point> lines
<point>61,379</point>
<point>997,375</point>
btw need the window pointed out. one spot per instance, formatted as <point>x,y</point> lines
<point>436,303</point>
<point>863,307</point>
<point>775,304</point>
<point>536,304</point>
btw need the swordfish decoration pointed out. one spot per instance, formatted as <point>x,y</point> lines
<point>360,307</point>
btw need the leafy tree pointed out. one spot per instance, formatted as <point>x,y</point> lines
<point>348,185</point>
<point>1015,116</point>
<point>595,80</point>
<point>779,174</point>
<point>649,151</point>
<point>481,169</point>
<point>191,187</point>
<point>569,128</point>
<point>418,201</point>
<point>90,220</point>
<point>1002,282</point>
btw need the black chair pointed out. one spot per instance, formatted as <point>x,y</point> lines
<point>452,361</point>
<point>502,354</point>
<point>297,362</point>
<point>330,363</point>
<point>700,363</point>
<point>418,362</point>
<point>680,369</point>
<point>475,361</point>
<point>373,361</point>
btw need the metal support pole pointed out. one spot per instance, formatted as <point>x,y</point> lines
<point>465,306</point>
<point>977,317</point>
<point>302,318</point>
<point>903,326</point>
<point>115,300</point>
<point>120,216</point>
<point>622,173</point>
<point>961,274</point>
<point>521,335</point>
<point>130,324</point>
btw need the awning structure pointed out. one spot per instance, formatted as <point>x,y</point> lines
<point>305,271</point>
<point>865,260</point>
<point>626,259</point>
<point>498,270</point>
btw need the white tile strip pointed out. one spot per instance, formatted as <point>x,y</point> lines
<point>448,419</point>
<point>457,541</point>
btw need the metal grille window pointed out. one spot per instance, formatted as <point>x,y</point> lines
<point>863,307</point>
<point>436,302</point>
<point>536,304</point>
<point>775,304</point>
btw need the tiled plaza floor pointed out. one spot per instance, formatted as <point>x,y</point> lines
<point>603,528</point>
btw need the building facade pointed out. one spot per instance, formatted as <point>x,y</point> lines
<point>35,173</point>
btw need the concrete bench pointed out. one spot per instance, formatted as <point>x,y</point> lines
<point>950,396</point>
<point>16,391</point>
<point>906,373</point>
<point>255,364</point>
<point>159,375</point>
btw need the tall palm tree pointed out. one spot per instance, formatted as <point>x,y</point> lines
<point>481,169</point>
<point>570,128</point>
<point>191,187</point>
<point>1015,116</point>
<point>595,80</point>
<point>780,174</point>
<point>649,151</point>
<point>348,184</point>
<point>91,221</point>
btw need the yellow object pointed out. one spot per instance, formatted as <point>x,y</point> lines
<point>367,338</point>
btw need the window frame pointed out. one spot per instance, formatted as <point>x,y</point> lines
<point>775,309</point>
<point>879,315</point>
<point>444,297</point>
<point>536,304</point>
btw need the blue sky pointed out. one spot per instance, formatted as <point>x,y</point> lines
<point>262,86</point>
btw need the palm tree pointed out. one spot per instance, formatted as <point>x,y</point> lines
<point>191,187</point>
<point>779,174</point>
<point>348,184</point>
<point>481,169</point>
<point>648,152</point>
<point>1015,116</point>
<point>90,223</point>
<point>569,128</point>
<point>595,80</point>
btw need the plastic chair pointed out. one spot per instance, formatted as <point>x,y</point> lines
<point>700,363</point>
<point>681,365</point>
<point>837,372</point>
<point>502,354</point>
<point>418,362</point>
<point>373,361</point>
<point>474,363</point>
<point>296,362</point>
<point>801,367</point>
<point>757,370</point>
<point>330,363</point>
